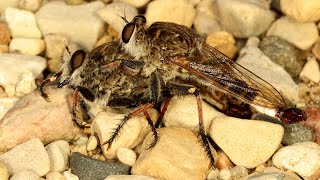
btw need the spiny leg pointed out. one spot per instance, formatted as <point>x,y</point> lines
<point>163,111</point>
<point>153,129</point>
<point>47,81</point>
<point>124,120</point>
<point>201,128</point>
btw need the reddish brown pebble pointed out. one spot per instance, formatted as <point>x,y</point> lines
<point>313,122</point>
<point>4,33</point>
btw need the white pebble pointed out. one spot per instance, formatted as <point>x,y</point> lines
<point>126,156</point>
<point>224,174</point>
<point>112,13</point>
<point>302,35</point>
<point>301,10</point>
<point>176,11</point>
<point>310,71</point>
<point>55,45</point>
<point>302,158</point>
<point>26,85</point>
<point>206,20</point>
<point>30,46</point>
<point>213,174</point>
<point>25,175</point>
<point>92,143</point>
<point>69,176</point>
<point>22,23</point>
<point>58,152</point>
<point>54,176</point>
<point>30,5</point>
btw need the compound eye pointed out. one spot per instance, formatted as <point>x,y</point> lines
<point>127,32</point>
<point>77,59</point>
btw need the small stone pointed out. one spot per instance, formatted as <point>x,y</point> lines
<point>55,64</point>
<point>178,154</point>
<point>310,71</point>
<point>30,5</point>
<point>129,177</point>
<point>69,176</point>
<point>28,155</point>
<point>22,23</point>
<point>58,152</point>
<point>4,174</point>
<point>87,168</point>
<point>82,149</point>
<point>54,176</point>
<point>55,45</point>
<point>8,3</point>
<point>132,133</point>
<point>244,19</point>
<point>4,48</point>
<point>26,85</point>
<point>272,175</point>
<point>27,174</point>
<point>126,156</point>
<point>85,30</point>
<point>223,162</point>
<point>235,137</point>
<point>302,35</point>
<point>303,11</point>
<point>283,53</point>
<point>103,40</point>
<point>34,46</point>
<point>4,33</point>
<point>112,13</point>
<point>257,62</point>
<point>302,158</point>
<point>224,174</point>
<point>294,133</point>
<point>213,174</point>
<point>223,42</point>
<point>239,172</point>
<point>183,112</point>
<point>177,11</point>
<point>316,49</point>
<point>32,116</point>
<point>92,143</point>
<point>81,140</point>
<point>206,20</point>
<point>134,3</point>
<point>5,104</point>
<point>313,122</point>
<point>74,2</point>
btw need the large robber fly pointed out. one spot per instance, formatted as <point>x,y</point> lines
<point>150,64</point>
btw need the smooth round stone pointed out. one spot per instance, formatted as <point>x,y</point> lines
<point>302,158</point>
<point>294,133</point>
<point>223,42</point>
<point>54,176</point>
<point>126,156</point>
<point>302,35</point>
<point>25,175</point>
<point>283,53</point>
<point>55,45</point>
<point>310,71</point>
<point>224,174</point>
<point>69,176</point>
<point>4,174</point>
<point>239,172</point>
<point>177,11</point>
<point>35,46</point>
<point>58,152</point>
<point>92,143</point>
<point>247,143</point>
<point>301,10</point>
<point>30,5</point>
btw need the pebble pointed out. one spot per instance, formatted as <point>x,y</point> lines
<point>183,112</point>
<point>5,104</point>
<point>80,149</point>
<point>243,18</point>
<point>213,174</point>
<point>310,71</point>
<point>178,11</point>
<point>129,177</point>
<point>283,53</point>
<point>28,155</point>
<point>272,175</point>
<point>294,133</point>
<point>134,3</point>
<point>303,11</point>
<point>302,158</point>
<point>58,152</point>
<point>69,176</point>
<point>35,46</point>
<point>87,168</point>
<point>54,64</point>
<point>247,143</point>
<point>30,5</point>
<point>74,2</point>
<point>206,20</point>
<point>313,122</point>
<point>55,45</point>
<point>316,49</point>
<point>32,116</point>
<point>126,156</point>
<point>22,23</point>
<point>26,85</point>
<point>224,174</point>
<point>302,35</point>
<point>4,48</point>
<point>84,31</point>
<point>27,174</point>
<point>4,174</point>
<point>112,13</point>
<point>257,62</point>
<point>92,143</point>
<point>239,172</point>
<point>54,176</point>
<point>177,152</point>
<point>12,66</point>
<point>132,134</point>
<point>4,33</point>
<point>223,42</point>
<point>8,3</point>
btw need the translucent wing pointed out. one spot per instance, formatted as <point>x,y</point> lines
<point>218,71</point>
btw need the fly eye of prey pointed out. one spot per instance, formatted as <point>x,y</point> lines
<point>127,32</point>
<point>77,59</point>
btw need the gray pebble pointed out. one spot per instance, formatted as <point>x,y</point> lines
<point>294,133</point>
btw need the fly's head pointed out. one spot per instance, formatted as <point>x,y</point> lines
<point>134,39</point>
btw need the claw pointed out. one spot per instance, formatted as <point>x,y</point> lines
<point>45,96</point>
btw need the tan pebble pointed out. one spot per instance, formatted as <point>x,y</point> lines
<point>310,71</point>
<point>81,149</point>
<point>92,143</point>
<point>4,174</point>
<point>54,64</point>
<point>223,42</point>
<point>30,5</point>
<point>112,32</point>
<point>4,48</point>
<point>213,174</point>
<point>74,2</point>
<point>55,45</point>
<point>224,174</point>
<point>261,167</point>
<point>54,176</point>
<point>102,158</point>
<point>104,39</point>
<point>223,162</point>
<point>4,33</point>
<point>316,49</point>
<point>126,156</point>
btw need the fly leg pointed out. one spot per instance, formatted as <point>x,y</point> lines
<point>47,81</point>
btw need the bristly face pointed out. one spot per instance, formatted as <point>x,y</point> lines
<point>133,37</point>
